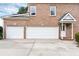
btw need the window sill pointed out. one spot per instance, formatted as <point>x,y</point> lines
<point>53,15</point>
<point>33,15</point>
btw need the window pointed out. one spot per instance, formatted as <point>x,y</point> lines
<point>32,10</point>
<point>53,10</point>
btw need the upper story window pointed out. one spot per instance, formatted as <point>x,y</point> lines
<point>32,10</point>
<point>53,10</point>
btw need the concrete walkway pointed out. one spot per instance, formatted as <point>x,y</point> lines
<point>38,48</point>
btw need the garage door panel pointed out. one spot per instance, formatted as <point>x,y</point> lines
<point>14,32</point>
<point>42,32</point>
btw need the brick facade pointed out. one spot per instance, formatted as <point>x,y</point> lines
<point>43,17</point>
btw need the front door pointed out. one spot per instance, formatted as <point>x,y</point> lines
<point>66,31</point>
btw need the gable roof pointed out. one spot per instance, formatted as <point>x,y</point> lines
<point>67,17</point>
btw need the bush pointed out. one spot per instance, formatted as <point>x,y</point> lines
<point>77,37</point>
<point>1,33</point>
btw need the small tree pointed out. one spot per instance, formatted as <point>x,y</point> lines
<point>77,38</point>
<point>1,32</point>
<point>23,10</point>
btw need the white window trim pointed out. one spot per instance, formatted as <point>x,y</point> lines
<point>30,12</point>
<point>55,10</point>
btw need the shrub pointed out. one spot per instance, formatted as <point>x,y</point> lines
<point>77,37</point>
<point>1,33</point>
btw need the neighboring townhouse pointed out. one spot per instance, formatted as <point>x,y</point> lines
<point>44,21</point>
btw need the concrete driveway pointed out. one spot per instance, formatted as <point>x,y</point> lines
<point>38,48</point>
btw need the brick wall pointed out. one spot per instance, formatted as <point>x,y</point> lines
<point>43,17</point>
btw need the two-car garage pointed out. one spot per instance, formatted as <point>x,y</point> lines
<point>20,32</point>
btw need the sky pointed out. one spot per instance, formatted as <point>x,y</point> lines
<point>10,8</point>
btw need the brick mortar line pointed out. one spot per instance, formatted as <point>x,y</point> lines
<point>31,48</point>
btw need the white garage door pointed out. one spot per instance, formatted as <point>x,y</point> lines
<point>42,32</point>
<point>15,32</point>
